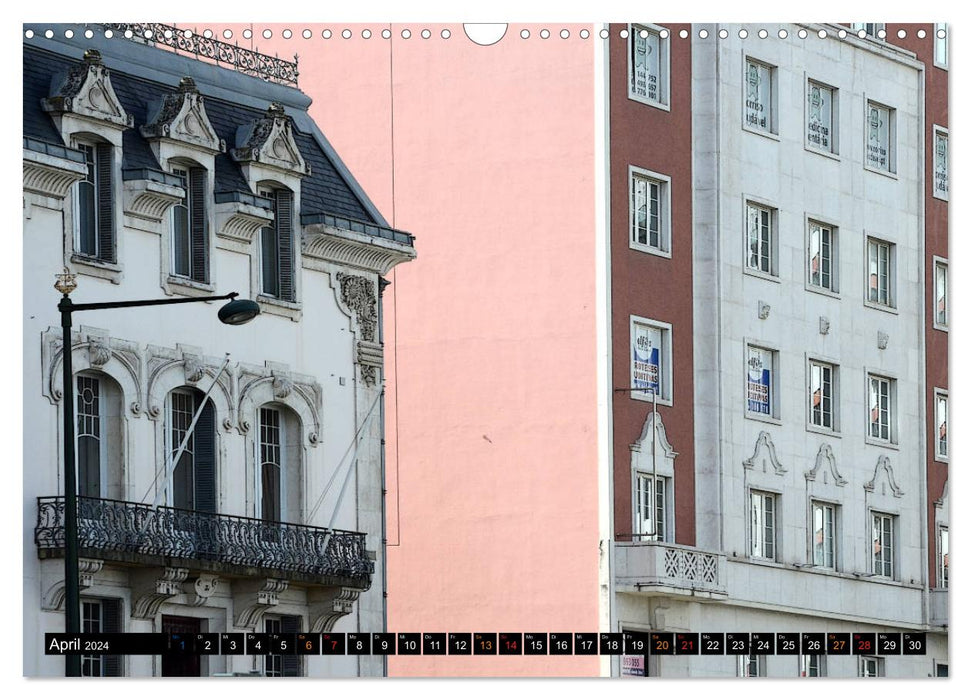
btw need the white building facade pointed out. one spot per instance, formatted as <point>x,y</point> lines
<point>152,175</point>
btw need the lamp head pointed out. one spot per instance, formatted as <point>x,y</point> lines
<point>239,311</point>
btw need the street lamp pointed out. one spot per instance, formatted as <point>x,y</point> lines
<point>235,313</point>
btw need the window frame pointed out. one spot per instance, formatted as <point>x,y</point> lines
<point>892,518</point>
<point>666,359</point>
<point>940,262</point>
<point>102,436</point>
<point>664,213</point>
<point>745,662</point>
<point>664,65</point>
<point>773,71</point>
<point>764,496</point>
<point>857,27</point>
<point>775,415</point>
<point>664,533</point>
<point>938,63</point>
<point>834,507</point>
<point>193,218</point>
<point>833,151</point>
<point>833,290</point>
<point>938,130</point>
<point>891,170</point>
<point>805,665</point>
<point>97,264</point>
<point>773,215</point>
<point>940,394</point>
<point>943,543</point>
<point>270,189</point>
<point>892,415</point>
<point>891,305</point>
<point>281,465</point>
<point>814,360</point>
<point>878,667</point>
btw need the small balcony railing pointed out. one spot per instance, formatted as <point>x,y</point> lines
<point>668,568</point>
<point>137,532</point>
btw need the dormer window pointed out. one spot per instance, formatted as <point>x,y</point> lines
<point>190,235</point>
<point>94,221</point>
<point>276,247</point>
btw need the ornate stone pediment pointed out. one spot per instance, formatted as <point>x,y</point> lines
<point>764,455</point>
<point>879,484</point>
<point>269,141</point>
<point>86,91</point>
<point>826,466</point>
<point>181,116</point>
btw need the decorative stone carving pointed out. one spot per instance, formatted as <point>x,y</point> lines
<point>269,141</point>
<point>357,294</point>
<point>282,386</point>
<point>823,325</point>
<point>325,244</point>
<point>201,589</point>
<point>764,310</point>
<point>326,606</point>
<point>301,393</point>
<point>882,340</point>
<point>147,202</point>
<point>92,348</point>
<point>181,116</point>
<point>86,91</point>
<point>98,352</point>
<point>252,598</point>
<point>54,596</point>
<point>149,590</point>
<point>764,455</point>
<point>49,175</point>
<point>825,458</point>
<point>643,443</point>
<point>883,467</point>
<point>194,369</point>
<point>237,224</point>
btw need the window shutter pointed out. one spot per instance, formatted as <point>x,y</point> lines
<point>197,225</point>
<point>290,624</point>
<point>284,223</point>
<point>205,459</point>
<point>106,228</point>
<point>111,609</point>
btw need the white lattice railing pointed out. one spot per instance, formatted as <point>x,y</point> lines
<point>661,564</point>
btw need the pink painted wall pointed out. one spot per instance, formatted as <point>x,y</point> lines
<point>491,404</point>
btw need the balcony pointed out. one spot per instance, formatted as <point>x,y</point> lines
<point>662,568</point>
<point>939,607</point>
<point>138,533</point>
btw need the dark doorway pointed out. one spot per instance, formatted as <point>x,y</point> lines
<point>180,664</point>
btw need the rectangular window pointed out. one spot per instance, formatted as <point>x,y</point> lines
<point>759,88</point>
<point>648,64</point>
<point>650,511</point>
<point>823,266</point>
<point>94,228</point>
<point>940,424</point>
<point>277,249</point>
<point>880,270</point>
<point>761,239</point>
<point>884,536</point>
<point>824,535</point>
<point>872,29</point>
<point>943,554</point>
<point>940,163</point>
<point>650,207</point>
<point>190,243</point>
<point>821,117</point>
<point>871,667</point>
<point>881,403</point>
<point>270,464</point>
<point>940,295</point>
<point>812,666</point>
<point>880,137</point>
<point>650,360</point>
<point>751,666</point>
<point>763,510</point>
<point>89,427</point>
<point>761,366</point>
<point>289,664</point>
<point>940,45</point>
<point>822,395</point>
<point>100,617</point>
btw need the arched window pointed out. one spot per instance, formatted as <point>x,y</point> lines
<point>194,475</point>
<point>279,486</point>
<point>98,436</point>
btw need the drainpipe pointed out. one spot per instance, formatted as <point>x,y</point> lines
<point>382,283</point>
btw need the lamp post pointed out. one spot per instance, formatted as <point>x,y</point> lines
<point>236,312</point>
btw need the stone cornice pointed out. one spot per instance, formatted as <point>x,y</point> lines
<point>49,175</point>
<point>352,249</point>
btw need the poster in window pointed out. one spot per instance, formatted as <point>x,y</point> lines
<point>646,354</point>
<point>757,96</point>
<point>878,138</point>
<point>940,164</point>
<point>645,77</point>
<point>759,381</point>
<point>820,117</point>
<point>632,666</point>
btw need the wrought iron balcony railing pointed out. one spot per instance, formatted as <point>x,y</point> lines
<point>125,531</point>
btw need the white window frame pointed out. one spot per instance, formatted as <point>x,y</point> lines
<point>761,206</point>
<point>939,455</point>
<point>757,498</point>
<point>874,662</point>
<point>664,65</point>
<point>774,416</point>
<point>894,539</point>
<point>941,263</point>
<point>875,34</point>
<point>891,440</point>
<point>823,363</point>
<point>745,662</point>
<point>666,395</point>
<point>664,211</point>
<point>941,46</point>
<point>891,304</point>
<point>282,466</point>
<point>805,662</point>
<point>823,506</point>
<point>833,289</point>
<point>943,537</point>
<point>102,418</point>
<point>773,119</point>
<point>891,170</point>
<point>937,193</point>
<point>833,151</point>
<point>665,531</point>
